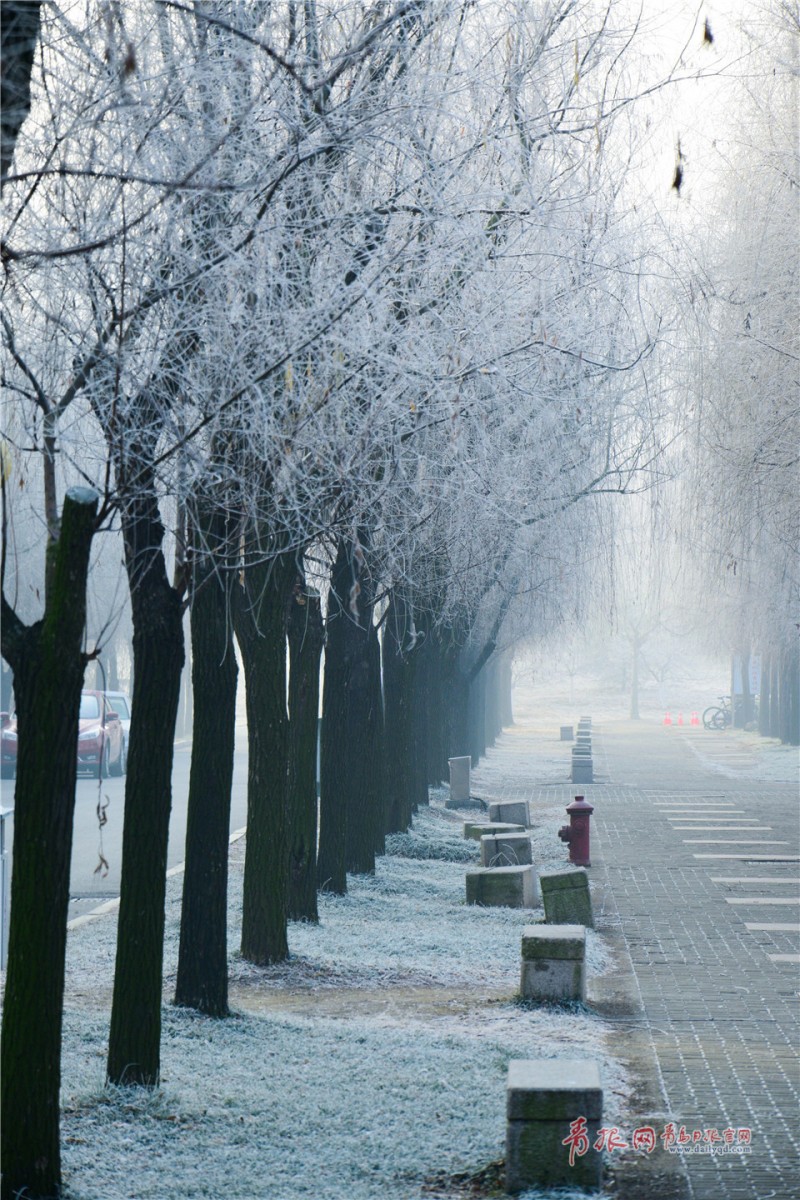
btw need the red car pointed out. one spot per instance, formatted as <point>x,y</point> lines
<point>101,744</point>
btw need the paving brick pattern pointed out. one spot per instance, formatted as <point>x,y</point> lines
<point>723,1016</point>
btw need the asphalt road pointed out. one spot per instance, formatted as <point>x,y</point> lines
<point>89,886</point>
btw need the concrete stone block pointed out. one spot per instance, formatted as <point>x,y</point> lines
<point>551,1089</point>
<point>513,811</point>
<point>582,771</point>
<point>479,829</point>
<point>506,850</point>
<point>567,734</point>
<point>553,962</point>
<point>459,777</point>
<point>543,1098</point>
<point>553,941</point>
<point>509,887</point>
<point>536,1157</point>
<point>553,980</point>
<point>566,897</point>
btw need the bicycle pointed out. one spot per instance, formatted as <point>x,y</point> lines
<point>718,716</point>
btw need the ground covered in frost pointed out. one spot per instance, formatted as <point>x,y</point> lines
<point>307,1090</point>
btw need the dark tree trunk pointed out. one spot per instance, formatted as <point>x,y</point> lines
<point>491,723</point>
<point>260,620</point>
<point>456,703</point>
<point>421,717</point>
<point>745,713</point>
<point>48,668</point>
<point>398,683</point>
<point>158,654</point>
<point>202,981</point>
<point>305,650</point>
<point>506,685</point>
<point>350,782</point>
<point>375,783</point>
<point>19,31</point>
<point>365,794</point>
<point>436,739</point>
<point>765,697</point>
<point>331,857</point>
<point>476,710</point>
<point>790,698</point>
<point>775,697</point>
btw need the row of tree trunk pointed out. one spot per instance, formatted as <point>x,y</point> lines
<point>395,708</point>
<point>779,700</point>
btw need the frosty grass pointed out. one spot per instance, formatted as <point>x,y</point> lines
<point>349,1104</point>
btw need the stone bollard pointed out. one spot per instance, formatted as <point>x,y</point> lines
<point>459,778</point>
<point>582,769</point>
<point>479,829</point>
<point>553,962</point>
<point>495,887</point>
<point>550,1101</point>
<point>506,850</point>
<point>566,897</point>
<point>567,734</point>
<point>513,811</point>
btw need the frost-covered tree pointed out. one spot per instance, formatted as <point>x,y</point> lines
<point>746,420</point>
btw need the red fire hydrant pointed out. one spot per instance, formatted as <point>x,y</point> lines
<point>577,832</point>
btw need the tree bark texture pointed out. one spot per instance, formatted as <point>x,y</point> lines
<point>492,721</point>
<point>333,807</point>
<point>305,651</point>
<point>260,621</point>
<point>506,685</point>
<point>48,666</point>
<point>375,789</point>
<point>158,655</point>
<point>790,697</point>
<point>351,779</point>
<point>456,706</point>
<point>775,697</point>
<point>19,31</point>
<point>765,697</point>
<point>437,724</point>
<point>399,695</point>
<point>202,980</point>
<point>476,709</point>
<point>421,716</point>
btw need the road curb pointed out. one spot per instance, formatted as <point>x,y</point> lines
<point>112,905</point>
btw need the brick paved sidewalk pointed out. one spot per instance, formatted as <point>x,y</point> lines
<point>697,881</point>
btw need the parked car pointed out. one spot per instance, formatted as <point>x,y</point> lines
<point>102,745</point>
<point>121,704</point>
<point>101,742</point>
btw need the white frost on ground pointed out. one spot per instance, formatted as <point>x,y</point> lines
<point>769,762</point>
<point>338,1102</point>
